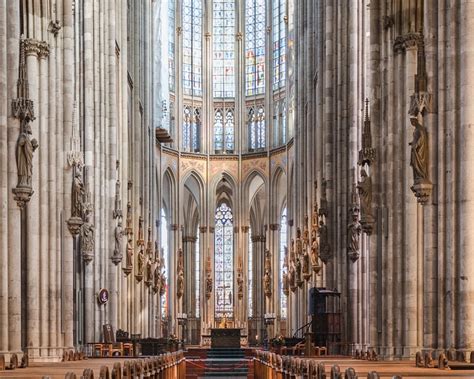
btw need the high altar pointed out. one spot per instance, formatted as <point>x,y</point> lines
<point>225,337</point>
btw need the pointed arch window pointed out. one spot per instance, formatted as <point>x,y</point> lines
<point>283,265</point>
<point>224,130</point>
<point>171,43</point>
<point>192,47</point>
<point>191,128</point>
<point>224,48</point>
<point>256,127</point>
<point>224,261</point>
<point>279,43</point>
<point>254,47</point>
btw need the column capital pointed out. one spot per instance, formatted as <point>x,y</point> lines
<point>274,227</point>
<point>245,229</point>
<point>202,229</point>
<point>174,227</point>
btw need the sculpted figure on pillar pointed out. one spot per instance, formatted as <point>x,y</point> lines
<point>208,278</point>
<point>77,193</point>
<point>267,277</point>
<point>117,256</point>
<point>268,261</point>
<point>299,243</point>
<point>180,284</point>
<point>240,280</point>
<point>118,203</point>
<point>157,277</point>
<point>419,152</point>
<point>299,277</point>
<point>87,241</point>
<point>140,265</point>
<point>324,247</point>
<point>285,278</point>
<point>149,273</point>
<point>24,156</point>
<point>354,236</point>
<point>364,187</point>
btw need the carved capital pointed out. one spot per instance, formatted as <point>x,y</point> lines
<point>174,227</point>
<point>202,229</point>
<point>212,229</point>
<point>274,227</point>
<point>245,229</point>
<point>422,191</point>
<point>407,41</point>
<point>236,229</point>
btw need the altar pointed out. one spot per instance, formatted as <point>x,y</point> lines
<point>225,337</point>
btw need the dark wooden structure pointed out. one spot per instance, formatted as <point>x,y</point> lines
<point>325,310</point>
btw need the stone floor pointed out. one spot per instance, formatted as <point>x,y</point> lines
<point>385,369</point>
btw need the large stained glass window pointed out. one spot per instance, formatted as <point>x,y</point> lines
<point>192,47</point>
<point>224,261</point>
<point>191,128</point>
<point>171,43</point>
<point>283,265</point>
<point>256,127</point>
<point>224,130</point>
<point>224,48</point>
<point>279,43</point>
<point>164,256</point>
<point>254,47</point>
<point>197,272</point>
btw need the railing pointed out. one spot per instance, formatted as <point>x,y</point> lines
<point>165,366</point>
<point>269,365</point>
<point>300,329</point>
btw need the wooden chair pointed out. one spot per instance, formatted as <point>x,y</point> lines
<point>114,348</point>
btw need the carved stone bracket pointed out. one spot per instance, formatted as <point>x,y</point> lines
<point>422,191</point>
<point>74,225</point>
<point>407,41</point>
<point>54,27</point>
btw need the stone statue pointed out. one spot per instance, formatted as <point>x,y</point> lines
<point>180,284</point>
<point>299,243</point>
<point>208,278</point>
<point>77,194</point>
<point>118,239</point>
<point>140,263</point>
<point>129,260</point>
<point>299,278</point>
<point>118,202</point>
<point>149,273</point>
<point>180,260</point>
<point>306,265</point>
<point>353,236</point>
<point>267,283</point>
<point>157,278</point>
<point>268,261</point>
<point>240,280</point>
<point>314,253</point>
<point>292,277</point>
<point>25,148</point>
<point>324,247</point>
<point>419,152</point>
<point>87,241</point>
<point>365,193</point>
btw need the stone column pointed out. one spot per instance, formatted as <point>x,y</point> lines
<point>13,253</point>
<point>5,111</point>
<point>465,329</point>
<point>67,111</point>
<point>32,222</point>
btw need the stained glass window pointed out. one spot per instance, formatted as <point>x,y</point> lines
<point>197,271</point>
<point>224,130</point>
<point>224,261</point>
<point>279,43</point>
<point>229,131</point>
<point>224,48</point>
<point>250,275</point>
<point>254,47</point>
<point>164,255</point>
<point>256,127</point>
<point>192,47</point>
<point>218,130</point>
<point>171,43</point>
<point>191,128</point>
<point>283,265</point>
